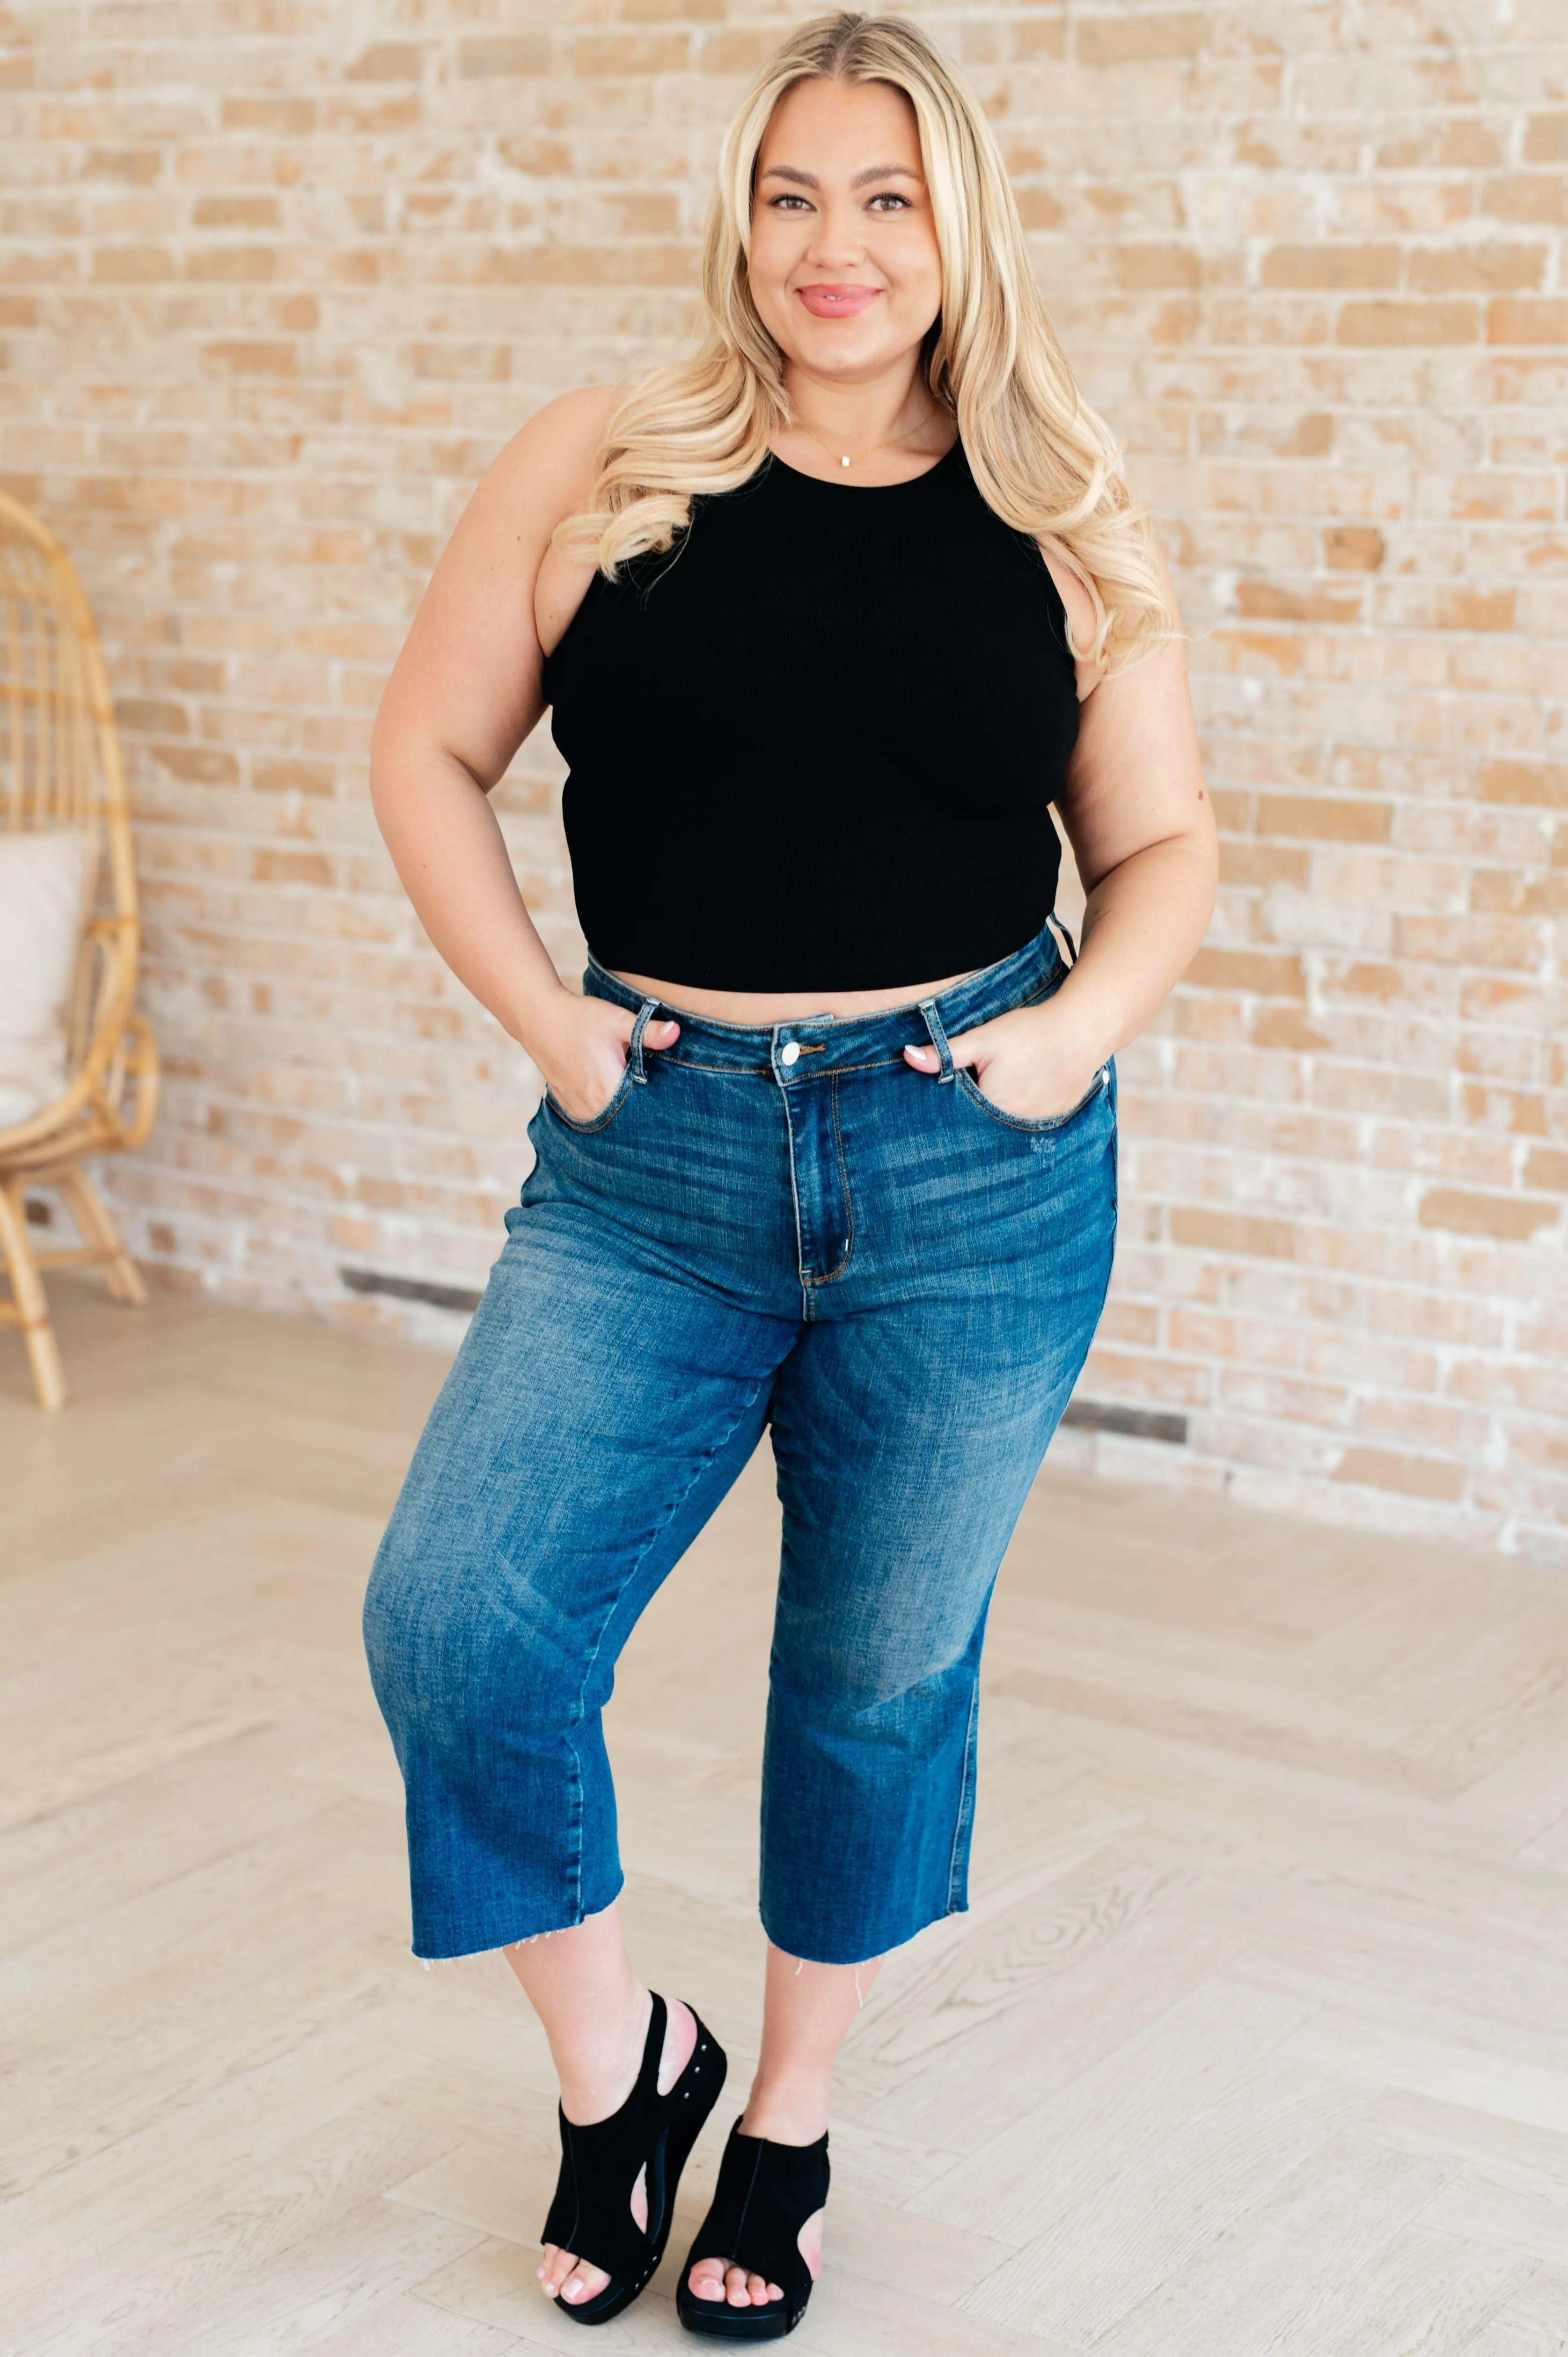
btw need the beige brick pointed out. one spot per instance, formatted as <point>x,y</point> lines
<point>1536,197</point>
<point>1513,321</point>
<point>591,265</point>
<point>1366,981</point>
<point>1136,38</point>
<point>1502,891</point>
<point>1037,209</point>
<point>540,157</point>
<point>1287,1027</point>
<point>1233,1231</point>
<point>137,167</point>
<point>637,54</point>
<point>1441,270</point>
<point>388,61</point>
<point>140,715</point>
<point>1136,1322</point>
<point>1142,1376</point>
<point>287,117</point>
<point>1503,941</point>
<point>734,50</point>
<point>1272,977</point>
<point>1546,1167</point>
<point>1263,863</point>
<point>120,264</point>
<point>1456,144</point>
<point>294,777</point>
<point>276,866</point>
<point>1418,324</point>
<point>1324,817</point>
<point>1386,1469</point>
<point>1271,601</point>
<point>200,765</point>
<point>508,54</point>
<point>252,358</point>
<point>1353,548</point>
<point>1512,1218</point>
<point>1473,609</point>
<point>1546,139</point>
<point>1333,265</point>
<point>1543,782</point>
<point>1311,438</point>
<point>1040,37</point>
<point>235,212</point>
<point>240,263</point>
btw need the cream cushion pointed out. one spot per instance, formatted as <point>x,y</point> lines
<point>46,884</point>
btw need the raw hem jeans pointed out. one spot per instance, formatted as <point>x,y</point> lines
<point>785,1226</point>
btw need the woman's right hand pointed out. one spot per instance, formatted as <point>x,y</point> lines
<point>581,1050</point>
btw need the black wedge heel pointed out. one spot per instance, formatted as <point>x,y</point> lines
<point>765,2193</point>
<point>591,2215</point>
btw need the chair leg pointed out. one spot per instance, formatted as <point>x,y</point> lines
<point>96,1221</point>
<point>27,1292</point>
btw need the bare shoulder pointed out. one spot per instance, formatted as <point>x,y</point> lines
<point>1079,608</point>
<point>469,674</point>
<point>574,424</point>
<point>548,463</point>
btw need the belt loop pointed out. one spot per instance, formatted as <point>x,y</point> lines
<point>939,1036</point>
<point>1071,946</point>
<point>634,1050</point>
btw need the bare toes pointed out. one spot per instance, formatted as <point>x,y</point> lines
<point>584,2283</point>
<point>707,2279</point>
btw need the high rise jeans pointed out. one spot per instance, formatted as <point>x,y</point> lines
<point>784,1226</point>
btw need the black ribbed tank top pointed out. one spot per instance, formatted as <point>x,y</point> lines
<point>813,745</point>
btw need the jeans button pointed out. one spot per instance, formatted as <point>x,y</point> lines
<point>791,1054</point>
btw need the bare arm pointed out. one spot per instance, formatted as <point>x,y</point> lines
<point>1142,830</point>
<point>463,693</point>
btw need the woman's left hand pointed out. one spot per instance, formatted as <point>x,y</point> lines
<point>1026,1063</point>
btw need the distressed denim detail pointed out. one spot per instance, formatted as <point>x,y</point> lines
<point>902,1283</point>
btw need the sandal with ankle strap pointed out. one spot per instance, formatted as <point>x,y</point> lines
<point>591,2215</point>
<point>765,2193</point>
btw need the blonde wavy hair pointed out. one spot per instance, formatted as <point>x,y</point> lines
<point>1041,458</point>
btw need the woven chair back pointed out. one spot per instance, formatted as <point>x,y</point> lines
<point>59,750</point>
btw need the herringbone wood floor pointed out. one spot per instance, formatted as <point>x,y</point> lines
<point>1256,2039</point>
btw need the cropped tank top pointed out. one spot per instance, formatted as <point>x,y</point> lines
<point>815,743</point>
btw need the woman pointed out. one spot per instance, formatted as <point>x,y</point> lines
<point>827,617</point>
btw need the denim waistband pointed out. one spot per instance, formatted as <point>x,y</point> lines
<point>821,1044</point>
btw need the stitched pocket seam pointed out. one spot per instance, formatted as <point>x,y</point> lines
<point>600,1121</point>
<point>1020,1121</point>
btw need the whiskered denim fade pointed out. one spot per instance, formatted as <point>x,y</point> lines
<point>785,1227</point>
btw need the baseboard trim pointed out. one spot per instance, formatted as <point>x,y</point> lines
<point>409,1288</point>
<point>1137,1423</point>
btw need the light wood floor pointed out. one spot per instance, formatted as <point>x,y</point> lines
<point>1255,2041</point>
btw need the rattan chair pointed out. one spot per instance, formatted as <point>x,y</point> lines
<point>60,767</point>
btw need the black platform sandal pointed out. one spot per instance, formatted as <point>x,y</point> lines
<point>765,2193</point>
<point>591,2215</point>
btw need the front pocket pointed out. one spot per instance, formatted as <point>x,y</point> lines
<point>1098,1088</point>
<point>597,1121</point>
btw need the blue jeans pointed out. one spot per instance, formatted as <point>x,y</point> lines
<point>783,1226</point>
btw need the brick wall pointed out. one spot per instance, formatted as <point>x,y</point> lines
<point>279,279</point>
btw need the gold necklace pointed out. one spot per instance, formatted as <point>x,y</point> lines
<point>847,458</point>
